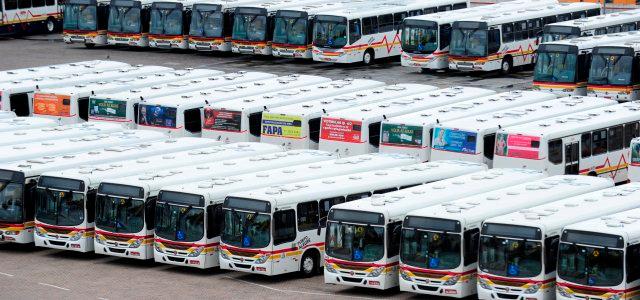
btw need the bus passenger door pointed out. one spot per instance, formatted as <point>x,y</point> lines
<point>571,159</point>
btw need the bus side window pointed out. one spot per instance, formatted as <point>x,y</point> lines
<point>395,230</point>
<point>255,121</point>
<point>599,142</point>
<point>444,8</point>
<point>24,4</point>
<point>150,213</point>
<point>614,29</point>
<point>369,25</point>
<point>550,253</point>
<point>314,129</point>
<point>430,10</point>
<point>615,138</point>
<point>593,12</point>
<point>10,4</point>
<point>507,32</point>
<point>555,151</point>
<point>308,216</point>
<point>471,243</point>
<point>37,3</point>
<point>633,263</point>
<point>520,30</point>
<point>382,191</point>
<point>629,27</point>
<point>584,61</point>
<point>374,134</point>
<point>29,200</point>
<point>459,5</point>
<point>83,108</point>
<point>564,17</point>
<point>358,196</point>
<point>585,144</point>
<point>630,131</point>
<point>397,19</point>
<point>192,120</point>
<point>415,12</point>
<point>355,30</point>
<point>284,226</point>
<point>549,20</point>
<point>326,205</point>
<point>578,15</point>
<point>535,28</point>
<point>385,23</point>
<point>489,145</point>
<point>214,220</point>
<point>445,35</point>
<point>601,31</point>
<point>91,206</point>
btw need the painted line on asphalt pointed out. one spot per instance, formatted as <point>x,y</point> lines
<point>100,298</point>
<point>54,286</point>
<point>7,274</point>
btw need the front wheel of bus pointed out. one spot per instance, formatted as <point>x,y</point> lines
<point>507,65</point>
<point>51,25</point>
<point>309,264</point>
<point>89,46</point>
<point>368,57</point>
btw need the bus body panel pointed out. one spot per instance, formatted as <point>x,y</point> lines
<point>16,19</point>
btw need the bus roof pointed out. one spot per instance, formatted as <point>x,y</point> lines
<point>554,216</point>
<point>23,123</point>
<point>527,113</point>
<point>58,132</point>
<point>473,210</point>
<point>579,122</point>
<point>388,7</point>
<point>588,42</point>
<point>634,45</point>
<point>293,193</point>
<point>531,12</point>
<point>602,20</point>
<point>59,69</point>
<point>623,224</point>
<point>397,204</point>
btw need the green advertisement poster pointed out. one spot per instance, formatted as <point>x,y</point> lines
<point>281,125</point>
<point>110,109</point>
<point>402,135</point>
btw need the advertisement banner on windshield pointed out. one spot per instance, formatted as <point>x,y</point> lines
<point>402,135</point>
<point>517,146</point>
<point>454,140</point>
<point>52,105</point>
<point>110,109</point>
<point>224,120</point>
<point>281,125</point>
<point>341,130</point>
<point>158,116</point>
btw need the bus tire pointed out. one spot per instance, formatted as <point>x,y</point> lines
<point>50,25</point>
<point>89,46</point>
<point>368,57</point>
<point>309,263</point>
<point>593,174</point>
<point>507,65</point>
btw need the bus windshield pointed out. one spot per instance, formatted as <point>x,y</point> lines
<point>555,33</point>
<point>121,215</point>
<point>591,266</point>
<point>555,67</point>
<point>179,223</point>
<point>11,204</point>
<point>361,243</point>
<point>80,16</point>
<point>124,19</point>
<point>166,21</point>
<point>290,30</point>
<point>420,38</point>
<point>611,69</point>
<point>431,250</point>
<point>510,257</point>
<point>249,27</point>
<point>330,32</point>
<point>62,208</point>
<point>468,42</point>
<point>206,23</point>
<point>246,229</point>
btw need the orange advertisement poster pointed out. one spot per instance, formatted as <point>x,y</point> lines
<point>52,105</point>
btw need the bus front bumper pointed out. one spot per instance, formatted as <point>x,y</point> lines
<point>453,286</point>
<point>79,241</point>
<point>136,248</point>
<point>209,45</point>
<point>131,40</point>
<point>374,277</point>
<point>251,49</point>
<point>489,290</point>
<point>301,52</point>
<point>433,62</point>
<point>474,65</point>
<point>619,94</point>
<point>17,233</point>
<point>247,265</point>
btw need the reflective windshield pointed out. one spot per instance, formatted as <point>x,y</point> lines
<point>290,31</point>
<point>420,39</point>
<point>249,27</point>
<point>355,242</point>
<point>555,67</point>
<point>179,223</point>
<point>509,257</point>
<point>166,21</point>
<point>124,19</point>
<point>330,33</point>
<point>590,266</point>
<point>431,250</point>
<point>80,16</point>
<point>555,33</point>
<point>611,69</point>
<point>122,215</point>
<point>246,229</point>
<point>468,42</point>
<point>11,203</point>
<point>59,207</point>
<point>206,24</point>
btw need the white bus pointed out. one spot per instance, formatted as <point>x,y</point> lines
<point>599,258</point>
<point>85,22</point>
<point>169,24</point>
<point>562,67</point>
<point>297,126</point>
<point>57,132</point>
<point>17,95</point>
<point>25,174</point>
<point>24,123</point>
<point>256,249</point>
<point>355,244</point>
<point>145,187</point>
<point>411,133</point>
<point>70,104</point>
<point>195,242</point>
<point>506,40</point>
<point>439,252</point>
<point>425,39</point>
<point>7,115</point>
<point>613,72</point>
<point>76,230</point>
<point>129,23</point>
<point>240,119</point>
<point>59,69</point>
<point>474,138</point>
<point>182,115</point>
<point>592,26</point>
<point>356,130</point>
<point>362,34</point>
<point>592,142</point>
<point>23,16</point>
<point>122,107</point>
<point>518,251</point>
<point>634,162</point>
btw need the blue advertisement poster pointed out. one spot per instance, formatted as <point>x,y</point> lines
<point>454,140</point>
<point>158,116</point>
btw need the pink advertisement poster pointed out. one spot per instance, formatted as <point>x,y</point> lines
<point>518,146</point>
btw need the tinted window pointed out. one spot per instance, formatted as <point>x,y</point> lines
<point>385,23</point>
<point>192,120</point>
<point>615,138</point>
<point>397,19</point>
<point>471,239</point>
<point>459,6</point>
<point>564,17</point>
<point>630,131</point>
<point>445,35</point>
<point>549,20</point>
<point>555,151</point>
<point>51,2</point>
<point>633,263</point>
<point>37,3</point>
<point>393,246</point>
<point>24,3</point>
<point>308,216</point>
<point>489,145</point>
<point>593,12</point>
<point>579,14</point>
<point>369,25</point>
<point>585,144</point>
<point>214,220</point>
<point>599,142</point>
<point>358,196</point>
<point>520,31</point>
<point>419,12</point>
<point>444,8</point>
<point>382,191</point>
<point>325,206</point>
<point>10,4</point>
<point>284,226</point>
<point>551,254</point>
<point>507,32</point>
<point>355,30</point>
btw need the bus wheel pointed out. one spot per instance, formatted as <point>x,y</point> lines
<point>593,173</point>
<point>368,57</point>
<point>507,65</point>
<point>51,25</point>
<point>89,46</point>
<point>309,264</point>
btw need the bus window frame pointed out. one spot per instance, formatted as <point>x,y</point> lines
<point>615,138</point>
<point>585,145</point>
<point>352,37</point>
<point>371,28</point>
<point>600,142</point>
<point>555,158</point>
<point>313,219</point>
<point>385,25</point>
<point>507,33</point>
<point>279,240</point>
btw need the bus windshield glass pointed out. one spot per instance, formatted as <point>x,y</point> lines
<point>361,239</point>
<point>510,257</point>
<point>246,229</point>
<point>591,266</point>
<point>420,37</point>
<point>179,223</point>
<point>206,23</point>
<point>124,19</point>
<point>469,40</point>
<point>555,67</point>
<point>330,32</point>
<point>166,21</point>
<point>290,29</point>
<point>11,204</point>
<point>431,250</point>
<point>120,215</point>
<point>80,17</point>
<point>249,26</point>
<point>61,208</point>
<point>555,33</point>
<point>611,67</point>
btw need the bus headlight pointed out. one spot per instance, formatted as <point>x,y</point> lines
<point>617,296</point>
<point>12,232</point>
<point>196,252</point>
<point>136,243</point>
<point>224,255</point>
<point>484,284</point>
<point>376,272</point>
<point>453,280</point>
<point>532,289</point>
<point>157,247</point>
<point>100,239</point>
<point>329,268</point>
<point>405,276</point>
<point>262,259</point>
<point>41,232</point>
<point>563,292</point>
<point>76,236</point>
